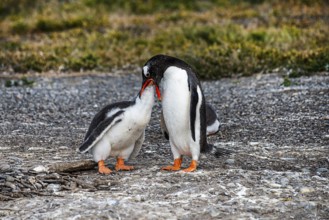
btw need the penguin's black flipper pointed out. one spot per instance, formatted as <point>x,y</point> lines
<point>193,109</point>
<point>101,115</point>
<point>99,131</point>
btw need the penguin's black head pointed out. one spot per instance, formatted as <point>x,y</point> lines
<point>155,67</point>
<point>153,71</point>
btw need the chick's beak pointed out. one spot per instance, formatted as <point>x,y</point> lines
<point>150,82</point>
<point>146,83</point>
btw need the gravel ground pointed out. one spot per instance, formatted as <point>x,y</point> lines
<point>279,170</point>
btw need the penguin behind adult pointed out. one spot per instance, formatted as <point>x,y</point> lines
<point>118,130</point>
<point>183,107</point>
<point>213,124</point>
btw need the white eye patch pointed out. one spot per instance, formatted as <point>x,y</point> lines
<point>146,71</point>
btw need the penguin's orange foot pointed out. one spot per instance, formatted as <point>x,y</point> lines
<point>175,167</point>
<point>102,169</point>
<point>170,168</point>
<point>121,165</point>
<point>192,166</point>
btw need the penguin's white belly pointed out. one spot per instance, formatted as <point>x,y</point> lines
<point>124,134</point>
<point>120,140</point>
<point>176,110</point>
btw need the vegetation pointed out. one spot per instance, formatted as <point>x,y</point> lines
<point>219,38</point>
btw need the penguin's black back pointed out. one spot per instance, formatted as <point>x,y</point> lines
<point>210,114</point>
<point>101,115</point>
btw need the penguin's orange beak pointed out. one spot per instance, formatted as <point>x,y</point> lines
<point>150,82</point>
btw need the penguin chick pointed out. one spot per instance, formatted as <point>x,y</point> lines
<point>213,124</point>
<point>183,107</point>
<point>118,130</point>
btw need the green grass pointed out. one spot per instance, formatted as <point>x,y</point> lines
<point>219,38</point>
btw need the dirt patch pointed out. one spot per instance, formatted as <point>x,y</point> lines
<point>279,169</point>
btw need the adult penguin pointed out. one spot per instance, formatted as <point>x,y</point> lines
<point>183,107</point>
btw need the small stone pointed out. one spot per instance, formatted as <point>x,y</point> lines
<point>11,185</point>
<point>305,190</point>
<point>214,212</point>
<point>321,170</point>
<point>32,180</point>
<point>274,185</point>
<point>230,161</point>
<point>4,167</point>
<point>73,185</point>
<point>284,181</point>
<point>288,159</point>
<point>138,198</point>
<point>38,185</point>
<point>63,147</point>
<point>40,169</point>
<point>254,143</point>
<point>112,202</point>
<point>54,187</point>
<point>10,179</point>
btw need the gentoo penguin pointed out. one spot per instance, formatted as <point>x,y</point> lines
<point>213,124</point>
<point>183,107</point>
<point>118,130</point>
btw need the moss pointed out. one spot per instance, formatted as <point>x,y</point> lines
<point>219,38</point>
<point>286,82</point>
<point>20,27</point>
<point>23,81</point>
<point>50,25</point>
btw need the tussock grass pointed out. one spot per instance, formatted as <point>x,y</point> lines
<point>219,38</point>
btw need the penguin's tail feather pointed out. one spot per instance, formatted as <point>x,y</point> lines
<point>217,151</point>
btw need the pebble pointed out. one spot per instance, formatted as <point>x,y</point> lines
<point>40,169</point>
<point>274,185</point>
<point>305,190</point>
<point>288,158</point>
<point>112,202</point>
<point>10,179</point>
<point>4,167</point>
<point>38,185</point>
<point>230,161</point>
<point>138,198</point>
<point>284,181</point>
<point>11,185</point>
<point>321,170</point>
<point>54,187</point>
<point>214,212</point>
<point>305,170</point>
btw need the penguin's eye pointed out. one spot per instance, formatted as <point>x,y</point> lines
<point>146,71</point>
